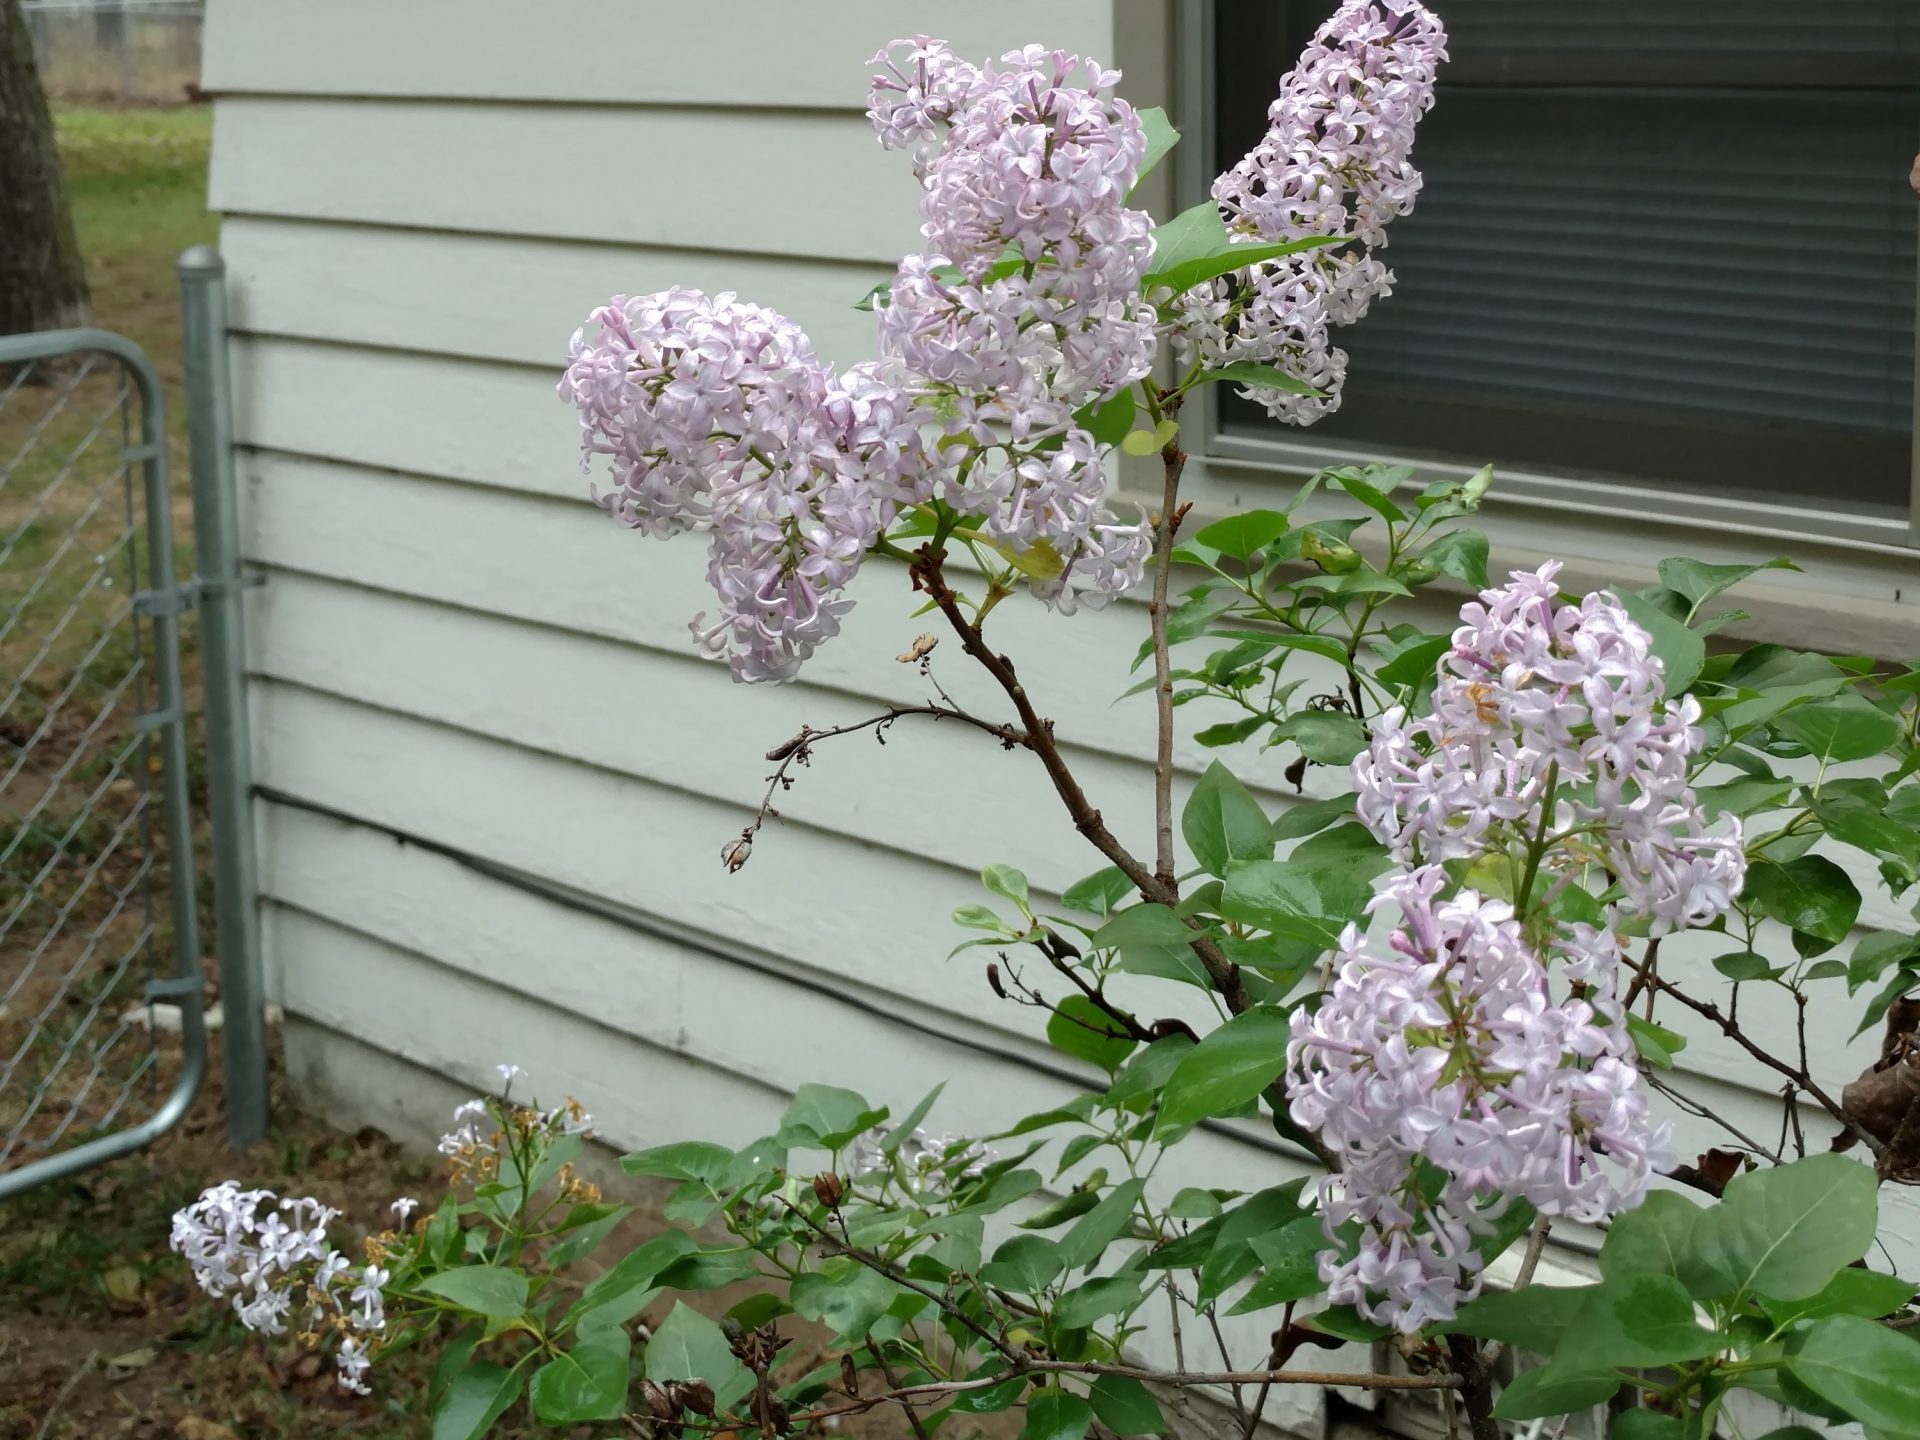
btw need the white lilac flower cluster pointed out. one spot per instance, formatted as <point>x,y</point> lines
<point>1335,161</point>
<point>1026,304</point>
<point>271,1257</point>
<point>1454,1071</point>
<point>924,1160</point>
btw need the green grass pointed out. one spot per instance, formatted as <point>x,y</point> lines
<point>137,183</point>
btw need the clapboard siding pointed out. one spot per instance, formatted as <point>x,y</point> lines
<point>490,298</point>
<point>759,182</point>
<point>747,54</point>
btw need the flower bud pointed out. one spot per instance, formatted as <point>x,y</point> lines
<point>829,1189</point>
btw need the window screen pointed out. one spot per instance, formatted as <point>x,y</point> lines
<point>1666,241</point>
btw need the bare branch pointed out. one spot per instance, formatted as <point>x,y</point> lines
<point>1174,460</point>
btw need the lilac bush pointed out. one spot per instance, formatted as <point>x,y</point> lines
<point>1441,986</point>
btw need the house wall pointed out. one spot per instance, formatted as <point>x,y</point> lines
<point>496,779</point>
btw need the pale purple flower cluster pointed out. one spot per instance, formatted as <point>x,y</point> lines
<point>1542,703</point>
<point>718,416</point>
<point>1448,1053</point>
<point>261,1259</point>
<point>1025,305</point>
<point>1335,161</point>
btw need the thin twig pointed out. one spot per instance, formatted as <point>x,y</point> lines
<point>1523,1277</point>
<point>893,1383</point>
<point>1710,1011</point>
<point>1174,461</point>
<point>60,1396</point>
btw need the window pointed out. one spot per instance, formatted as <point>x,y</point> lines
<point>1667,242</point>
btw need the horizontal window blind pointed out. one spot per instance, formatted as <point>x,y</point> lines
<point>1705,284</point>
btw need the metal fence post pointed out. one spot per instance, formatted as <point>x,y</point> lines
<point>203,306</point>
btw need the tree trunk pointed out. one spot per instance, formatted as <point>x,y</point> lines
<point>43,281</point>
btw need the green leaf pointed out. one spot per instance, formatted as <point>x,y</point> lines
<point>584,1232</point>
<point>1194,247</point>
<point>1874,954</point>
<point>1226,1070</point>
<point>1783,1232</point>
<point>1647,1425</point>
<point>1109,420</point>
<point>1096,1300</point>
<point>1851,1292</point>
<point>1331,737</point>
<point>686,1160</point>
<point>1461,554</point>
<point>845,1296</point>
<point>1026,1264</point>
<point>588,1382</point>
<point>1152,940</point>
<point>1743,965</point>
<point>1697,582</point>
<point>1052,1414</point>
<point>1867,1370</point>
<point>1080,1028</point>
<point>1258,377</point>
<point>1310,900</point>
<point>1125,1406</point>
<point>1101,1226</point>
<point>826,1116</point>
<point>1290,1256</point>
<point>478,1396</point>
<point>1189,618</point>
<point>1099,892</point>
<point>1682,653</point>
<point>1070,1206</point>
<point>1554,1390</point>
<point>1142,442</point>
<point>1325,646</point>
<point>1536,1318</point>
<point>1639,1321</point>
<point>1004,880</point>
<point>1242,534</point>
<point>1160,137</point>
<point>708,1270</point>
<point>621,1293</point>
<point>891,1141</point>
<point>1655,1044</point>
<point>1841,727</point>
<point>1854,813</point>
<point>484,1289</point>
<point>1414,665</point>
<point>1901,984</point>
<point>1654,1238</point>
<point>1222,822</point>
<point>689,1346</point>
<point>1309,816</point>
<point>1370,495</point>
<point>1811,894</point>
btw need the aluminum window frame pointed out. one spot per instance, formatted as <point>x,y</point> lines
<point>1194,167</point>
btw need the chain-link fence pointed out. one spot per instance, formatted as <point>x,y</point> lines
<point>101,1039</point>
<point>145,51</point>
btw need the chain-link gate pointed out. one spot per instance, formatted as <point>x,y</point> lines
<point>102,1040</point>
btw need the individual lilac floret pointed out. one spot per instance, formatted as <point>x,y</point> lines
<point>1449,1052</point>
<point>1335,160</point>
<point>1537,695</point>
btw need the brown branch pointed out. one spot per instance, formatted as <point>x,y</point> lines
<point>893,1383</point>
<point>1707,1010</point>
<point>1475,1383</point>
<point>1038,737</point>
<point>1174,460</point>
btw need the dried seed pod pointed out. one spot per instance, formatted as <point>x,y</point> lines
<point>694,1395</point>
<point>829,1189</point>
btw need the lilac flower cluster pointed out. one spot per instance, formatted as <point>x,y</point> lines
<point>1335,161</point>
<point>241,1244</point>
<point>1451,1083</point>
<point>1026,304</point>
<point>718,416</point>
<point>1538,705</point>
<point>1445,1071</point>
